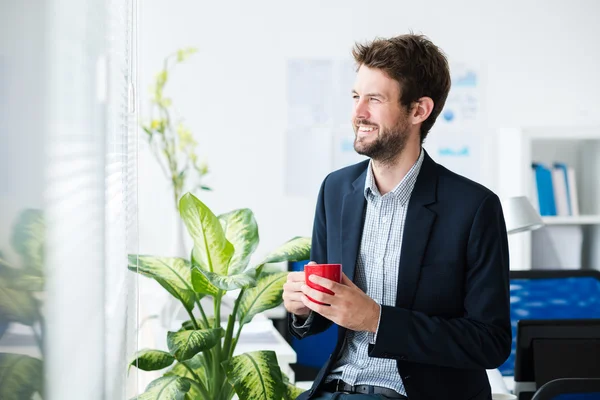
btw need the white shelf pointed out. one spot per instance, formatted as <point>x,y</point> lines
<point>573,220</point>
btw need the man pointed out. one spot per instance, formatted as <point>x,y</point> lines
<point>423,306</point>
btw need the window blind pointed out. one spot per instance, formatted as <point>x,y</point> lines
<point>91,198</point>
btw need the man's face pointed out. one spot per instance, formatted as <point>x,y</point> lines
<point>380,124</point>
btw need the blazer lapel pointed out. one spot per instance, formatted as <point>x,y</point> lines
<point>417,227</point>
<point>353,211</point>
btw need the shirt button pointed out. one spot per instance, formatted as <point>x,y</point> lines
<point>384,219</point>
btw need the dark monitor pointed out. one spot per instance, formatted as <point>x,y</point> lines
<point>553,349</point>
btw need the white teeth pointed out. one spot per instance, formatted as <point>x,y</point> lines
<point>365,129</point>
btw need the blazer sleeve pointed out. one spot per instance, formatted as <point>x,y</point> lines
<point>482,337</point>
<point>316,323</point>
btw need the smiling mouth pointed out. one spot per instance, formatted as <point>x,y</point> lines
<point>366,129</point>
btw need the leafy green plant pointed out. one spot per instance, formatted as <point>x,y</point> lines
<point>171,142</point>
<point>21,376</point>
<point>201,351</point>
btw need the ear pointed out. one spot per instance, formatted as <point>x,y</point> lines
<point>421,110</point>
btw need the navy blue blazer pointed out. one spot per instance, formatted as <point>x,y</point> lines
<point>451,320</point>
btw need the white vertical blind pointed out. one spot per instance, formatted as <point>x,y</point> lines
<point>91,199</point>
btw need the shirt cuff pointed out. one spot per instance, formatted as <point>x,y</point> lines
<point>296,321</point>
<point>373,336</point>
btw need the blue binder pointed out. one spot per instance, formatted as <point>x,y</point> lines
<point>545,189</point>
<point>564,168</point>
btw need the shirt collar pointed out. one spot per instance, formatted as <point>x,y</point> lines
<point>403,190</point>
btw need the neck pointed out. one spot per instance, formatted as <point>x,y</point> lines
<point>390,173</point>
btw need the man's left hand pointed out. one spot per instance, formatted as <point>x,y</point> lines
<point>349,306</point>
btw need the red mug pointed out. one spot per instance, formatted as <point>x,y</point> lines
<point>330,271</point>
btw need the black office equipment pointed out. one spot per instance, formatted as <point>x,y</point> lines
<point>553,349</point>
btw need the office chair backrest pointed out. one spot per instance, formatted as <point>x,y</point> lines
<point>551,294</point>
<point>569,389</point>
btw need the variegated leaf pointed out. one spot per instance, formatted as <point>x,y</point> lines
<point>296,249</point>
<point>166,388</point>
<point>226,282</point>
<point>189,325</point>
<point>265,295</point>
<point>242,231</point>
<point>202,284</point>
<point>255,376</point>
<point>151,360</point>
<point>211,248</point>
<point>172,273</point>
<point>16,304</point>
<point>195,364</point>
<point>291,391</point>
<point>28,239</point>
<point>20,376</point>
<point>186,344</point>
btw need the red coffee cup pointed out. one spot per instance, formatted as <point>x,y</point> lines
<point>330,271</point>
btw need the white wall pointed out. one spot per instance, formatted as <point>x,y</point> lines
<point>541,60</point>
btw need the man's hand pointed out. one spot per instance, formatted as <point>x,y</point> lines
<point>349,306</point>
<point>292,295</point>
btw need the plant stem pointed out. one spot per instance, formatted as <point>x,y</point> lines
<point>198,381</point>
<point>192,318</point>
<point>237,337</point>
<point>202,312</point>
<point>225,393</point>
<point>231,323</point>
<point>217,349</point>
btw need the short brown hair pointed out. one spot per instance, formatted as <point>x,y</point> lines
<point>419,66</point>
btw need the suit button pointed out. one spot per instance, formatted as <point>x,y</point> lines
<point>402,357</point>
<point>407,377</point>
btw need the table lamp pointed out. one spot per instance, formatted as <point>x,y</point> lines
<point>520,216</point>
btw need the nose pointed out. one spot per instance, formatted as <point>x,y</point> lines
<point>361,110</point>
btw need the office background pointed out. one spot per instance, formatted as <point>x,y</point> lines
<point>537,62</point>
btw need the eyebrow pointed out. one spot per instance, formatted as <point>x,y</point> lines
<point>373,94</point>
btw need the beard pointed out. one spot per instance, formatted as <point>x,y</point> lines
<point>388,144</point>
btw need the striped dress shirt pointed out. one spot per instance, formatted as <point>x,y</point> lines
<point>377,275</point>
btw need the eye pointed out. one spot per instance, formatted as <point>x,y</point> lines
<point>374,99</point>
<point>355,96</point>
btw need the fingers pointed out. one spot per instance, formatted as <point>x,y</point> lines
<point>346,281</point>
<point>317,295</point>
<point>318,308</point>
<point>295,277</point>
<point>324,282</point>
<point>293,286</point>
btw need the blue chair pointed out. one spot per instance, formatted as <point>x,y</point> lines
<point>569,389</point>
<point>551,294</point>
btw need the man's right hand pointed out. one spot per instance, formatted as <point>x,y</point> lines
<point>292,295</point>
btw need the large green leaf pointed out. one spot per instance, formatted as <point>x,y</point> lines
<point>291,391</point>
<point>201,283</point>
<point>211,248</point>
<point>28,238</point>
<point>166,388</point>
<point>189,325</point>
<point>195,363</point>
<point>296,249</point>
<point>151,360</point>
<point>30,283</point>
<point>264,296</point>
<point>194,393</point>
<point>255,376</point>
<point>225,282</point>
<point>20,376</point>
<point>17,305</point>
<point>242,231</point>
<point>174,274</point>
<point>186,344</point>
